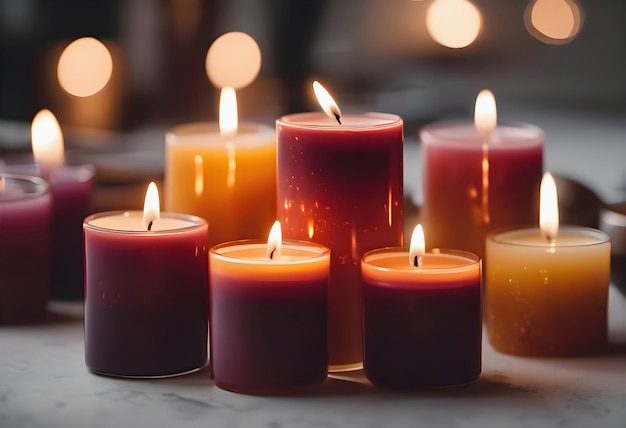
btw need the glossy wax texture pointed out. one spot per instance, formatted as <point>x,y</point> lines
<point>229,181</point>
<point>25,223</point>
<point>269,317</point>
<point>146,296</point>
<point>341,186</point>
<point>457,199</point>
<point>543,300</point>
<point>422,325</point>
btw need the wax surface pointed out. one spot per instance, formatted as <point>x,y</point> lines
<point>460,207</point>
<point>146,301</point>
<point>231,182</point>
<point>341,186</point>
<point>422,325</point>
<point>543,300</point>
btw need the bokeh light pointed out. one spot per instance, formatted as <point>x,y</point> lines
<point>453,23</point>
<point>234,60</point>
<point>553,22</point>
<point>84,67</point>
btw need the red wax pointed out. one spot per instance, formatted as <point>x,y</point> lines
<point>460,206</point>
<point>422,325</point>
<point>25,213</point>
<point>341,186</point>
<point>146,294</point>
<point>268,317</point>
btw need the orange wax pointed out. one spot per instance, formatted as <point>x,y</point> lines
<point>544,300</point>
<point>229,181</point>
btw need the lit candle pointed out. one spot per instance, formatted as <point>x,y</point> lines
<point>269,314</point>
<point>146,292</point>
<point>25,215</point>
<point>547,287</point>
<point>477,177</point>
<point>422,316</point>
<point>340,185</point>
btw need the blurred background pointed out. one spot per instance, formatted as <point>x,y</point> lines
<point>559,64</point>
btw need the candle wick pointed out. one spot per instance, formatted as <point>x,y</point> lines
<point>416,261</point>
<point>272,253</point>
<point>338,118</point>
<point>150,225</point>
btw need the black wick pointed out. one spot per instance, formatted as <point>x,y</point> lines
<point>150,226</point>
<point>416,261</point>
<point>272,254</point>
<point>338,118</point>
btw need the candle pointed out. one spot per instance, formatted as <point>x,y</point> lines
<point>25,212</point>
<point>146,292</point>
<point>478,177</point>
<point>340,185</point>
<point>225,174</point>
<point>269,314</point>
<point>613,223</point>
<point>547,287</point>
<point>422,316</point>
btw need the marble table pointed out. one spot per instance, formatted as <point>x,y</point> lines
<point>44,383</point>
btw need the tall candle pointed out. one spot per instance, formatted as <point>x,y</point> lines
<point>269,315</point>
<point>225,175</point>
<point>146,293</point>
<point>547,288</point>
<point>340,185</point>
<point>479,177</point>
<point>422,324</point>
<point>25,216</point>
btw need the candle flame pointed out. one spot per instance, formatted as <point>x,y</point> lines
<point>151,210</point>
<point>228,112</point>
<point>327,102</point>
<point>417,248</point>
<point>485,112</point>
<point>47,141</point>
<point>548,208</point>
<point>274,241</point>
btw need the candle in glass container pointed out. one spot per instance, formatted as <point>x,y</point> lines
<point>422,316</point>
<point>269,314</point>
<point>547,287</point>
<point>340,185</point>
<point>146,292</point>
<point>478,177</point>
<point>25,219</point>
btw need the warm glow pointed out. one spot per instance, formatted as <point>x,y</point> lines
<point>228,112</point>
<point>453,23</point>
<point>47,141</point>
<point>232,164</point>
<point>234,59</point>
<point>418,246</point>
<point>485,112</point>
<point>151,209</point>
<point>553,21</point>
<point>274,241</point>
<point>2,185</point>
<point>548,208</point>
<point>326,101</point>
<point>85,67</point>
<point>198,162</point>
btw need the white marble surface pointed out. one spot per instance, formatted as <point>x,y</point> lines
<point>44,383</point>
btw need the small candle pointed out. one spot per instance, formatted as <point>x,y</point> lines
<point>269,314</point>
<point>478,177</point>
<point>422,316</point>
<point>225,174</point>
<point>547,287</point>
<point>340,185</point>
<point>613,223</point>
<point>25,215</point>
<point>146,292</point>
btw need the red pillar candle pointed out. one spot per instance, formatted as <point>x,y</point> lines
<point>478,178</point>
<point>25,211</point>
<point>268,316</point>
<point>146,293</point>
<point>340,185</point>
<point>422,324</point>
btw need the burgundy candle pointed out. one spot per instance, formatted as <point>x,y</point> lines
<point>146,293</point>
<point>269,316</point>
<point>422,324</point>
<point>25,211</point>
<point>340,185</point>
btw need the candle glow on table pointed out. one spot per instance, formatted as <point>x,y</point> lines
<point>479,177</point>
<point>547,287</point>
<point>146,292</point>
<point>25,220</point>
<point>422,316</point>
<point>340,185</point>
<point>269,314</point>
